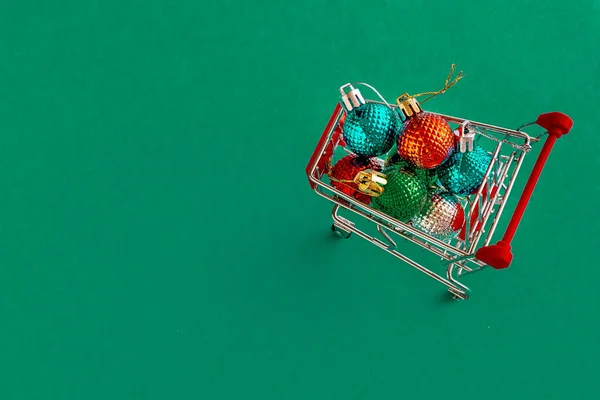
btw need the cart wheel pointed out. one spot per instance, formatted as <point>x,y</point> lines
<point>458,294</point>
<point>340,232</point>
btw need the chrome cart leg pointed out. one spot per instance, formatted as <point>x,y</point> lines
<point>341,226</point>
<point>458,291</point>
<point>458,294</point>
<point>347,227</point>
<point>340,232</point>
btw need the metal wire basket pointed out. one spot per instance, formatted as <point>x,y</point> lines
<point>466,253</point>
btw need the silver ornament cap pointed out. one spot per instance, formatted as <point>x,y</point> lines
<point>351,99</point>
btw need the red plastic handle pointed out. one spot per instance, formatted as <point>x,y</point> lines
<point>556,123</point>
<point>499,255</point>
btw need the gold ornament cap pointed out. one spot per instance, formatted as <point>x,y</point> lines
<point>408,106</point>
<point>367,182</point>
<point>370,182</point>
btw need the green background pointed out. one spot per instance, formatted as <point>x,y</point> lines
<point>159,240</point>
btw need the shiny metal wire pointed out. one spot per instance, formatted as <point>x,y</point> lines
<point>457,256</point>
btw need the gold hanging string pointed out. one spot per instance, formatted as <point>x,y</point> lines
<point>447,85</point>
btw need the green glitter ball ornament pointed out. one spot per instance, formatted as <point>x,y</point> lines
<point>463,173</point>
<point>403,196</point>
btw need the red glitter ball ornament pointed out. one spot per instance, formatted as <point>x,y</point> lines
<point>346,169</point>
<point>426,140</point>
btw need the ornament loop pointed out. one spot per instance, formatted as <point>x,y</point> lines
<point>357,91</point>
<point>525,125</point>
<point>447,85</point>
<point>526,147</point>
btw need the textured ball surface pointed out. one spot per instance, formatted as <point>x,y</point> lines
<point>428,176</point>
<point>371,129</point>
<point>403,196</point>
<point>463,172</point>
<point>426,140</point>
<point>346,169</point>
<point>442,216</point>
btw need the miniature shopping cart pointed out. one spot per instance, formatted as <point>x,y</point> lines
<point>472,250</point>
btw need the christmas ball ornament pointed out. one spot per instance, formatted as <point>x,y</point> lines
<point>428,176</point>
<point>404,194</point>
<point>442,216</point>
<point>345,170</point>
<point>369,129</point>
<point>463,173</point>
<point>426,140</point>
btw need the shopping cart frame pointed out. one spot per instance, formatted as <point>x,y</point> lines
<point>458,256</point>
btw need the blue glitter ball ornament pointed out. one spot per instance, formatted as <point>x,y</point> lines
<point>371,129</point>
<point>463,173</point>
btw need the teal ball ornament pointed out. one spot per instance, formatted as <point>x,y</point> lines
<point>371,129</point>
<point>463,173</point>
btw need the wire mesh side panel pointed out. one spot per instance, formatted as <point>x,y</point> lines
<point>484,208</point>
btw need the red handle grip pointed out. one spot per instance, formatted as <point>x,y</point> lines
<point>557,124</point>
<point>499,255</point>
